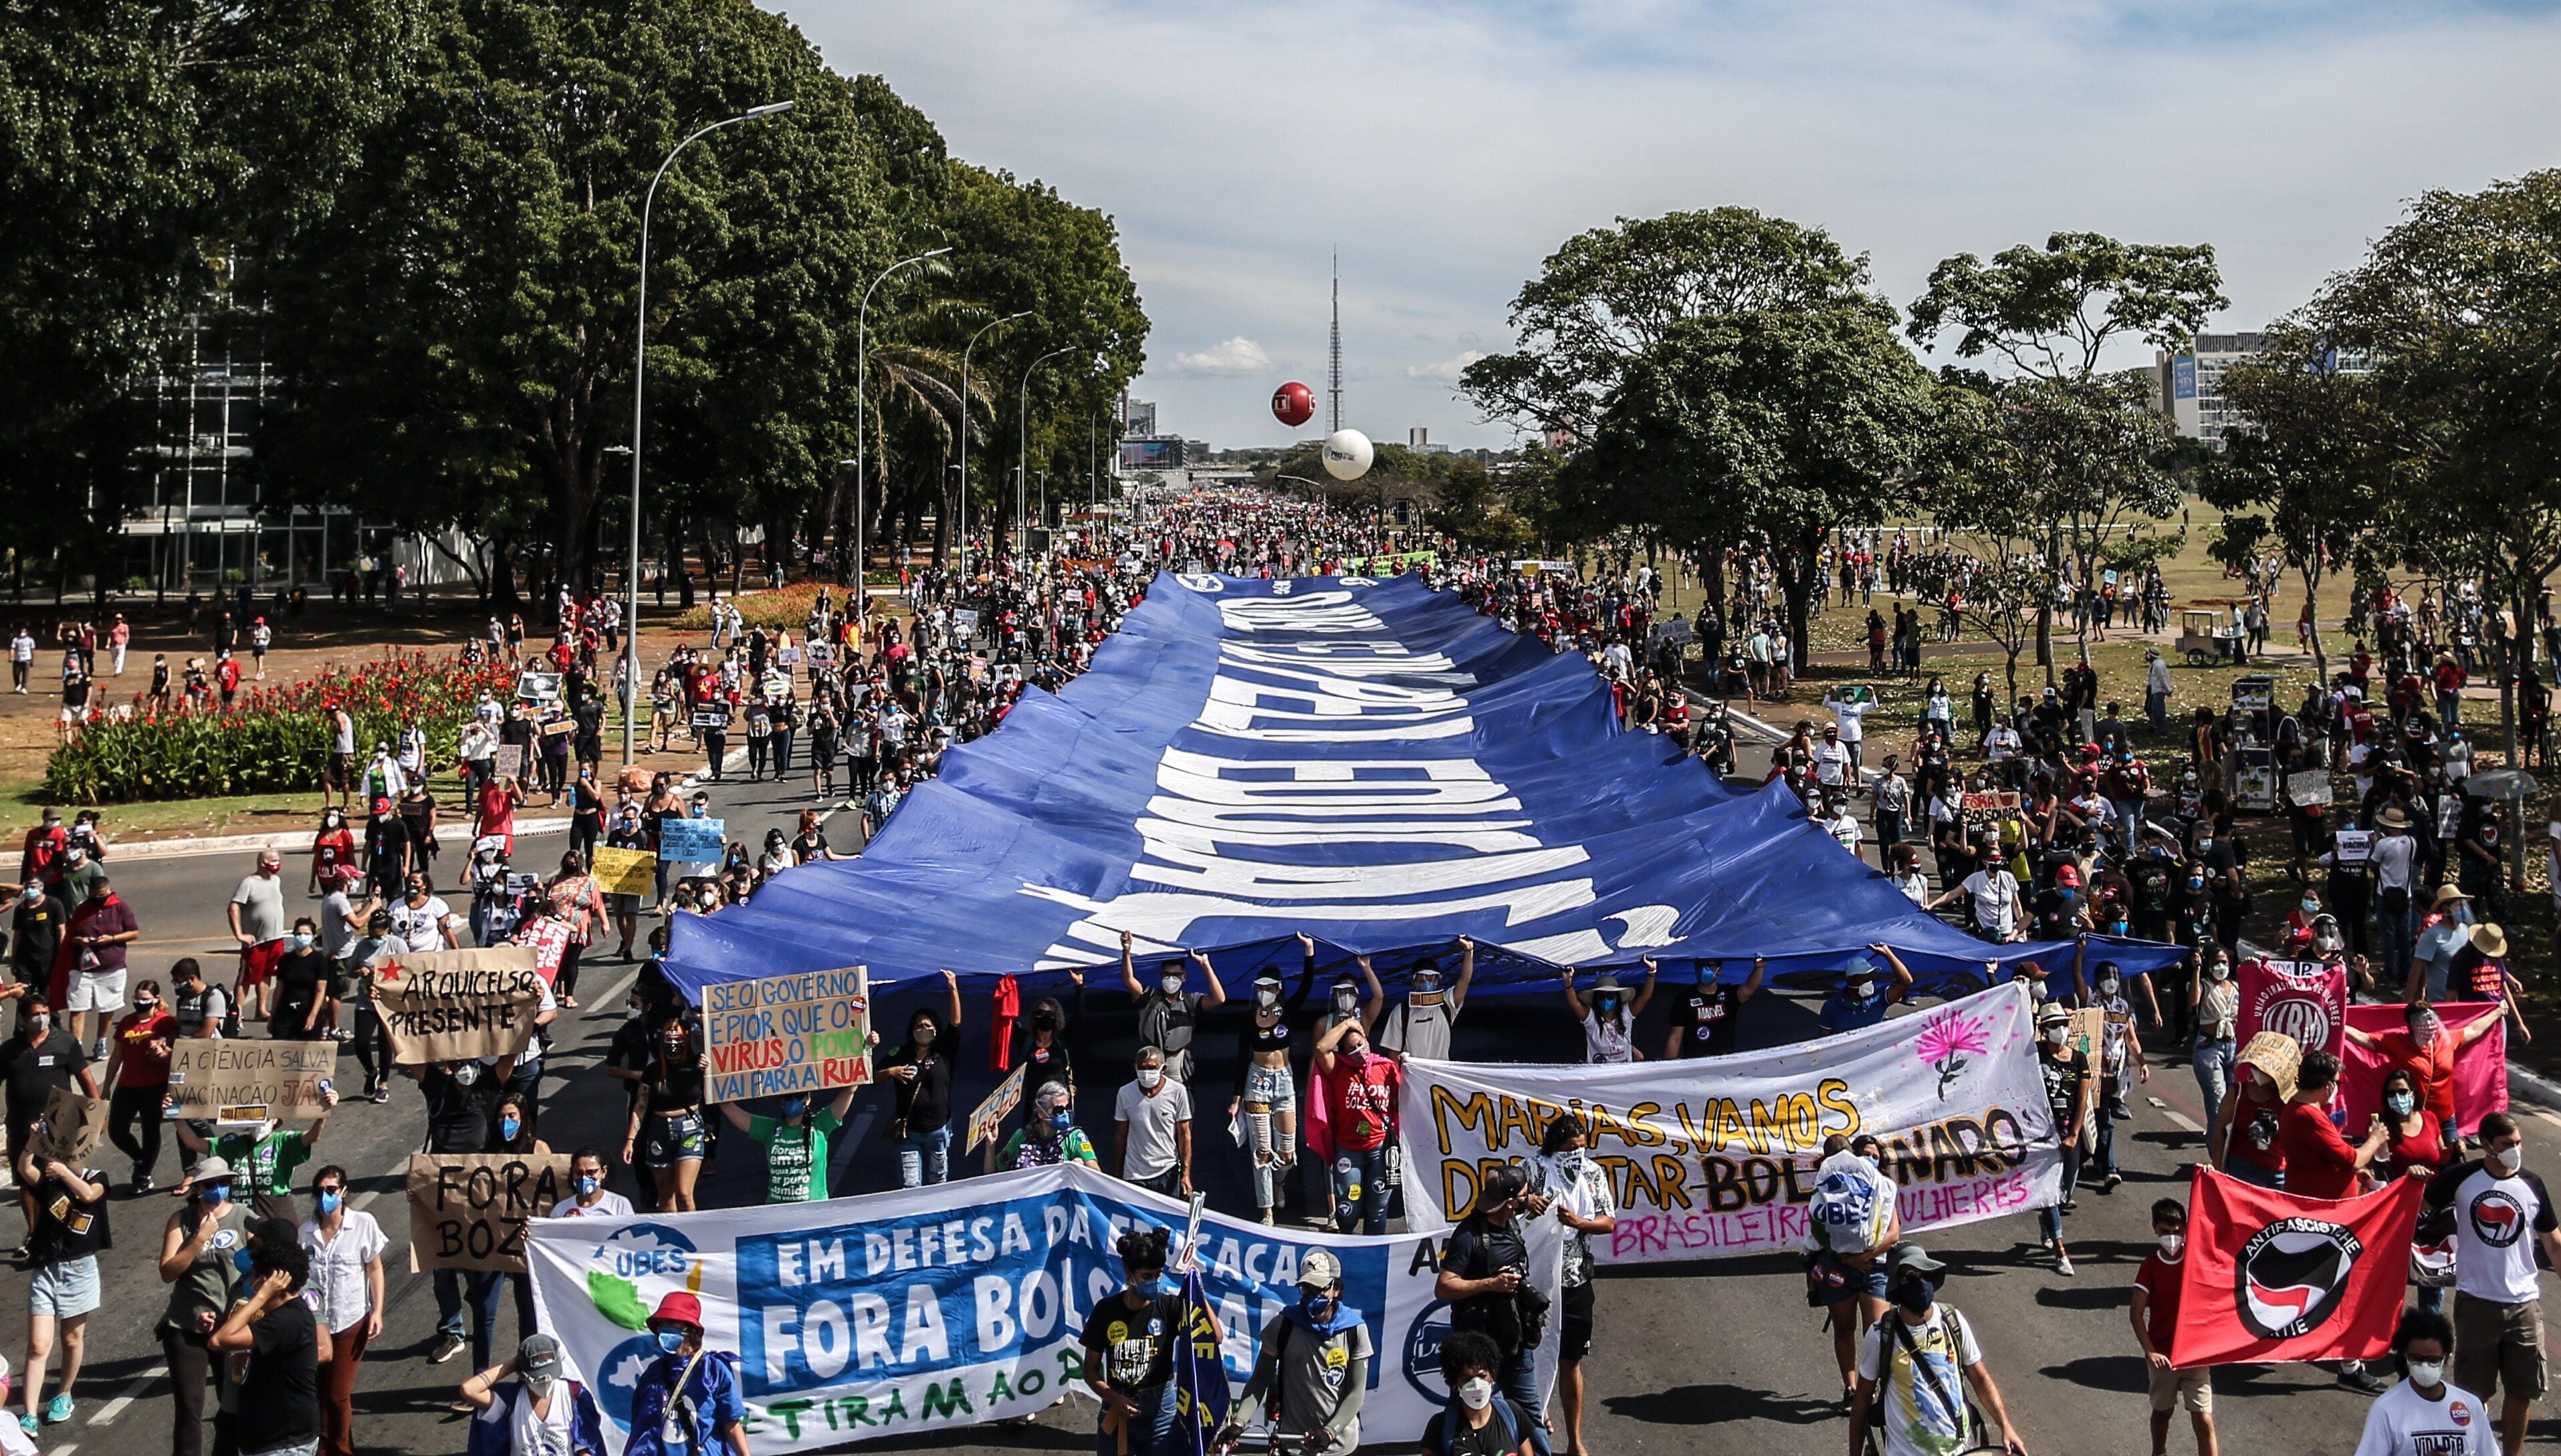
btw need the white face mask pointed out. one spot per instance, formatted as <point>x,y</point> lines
<point>2509,1162</point>
<point>2426,1372</point>
<point>1173,985</point>
<point>2109,986</point>
<point>1150,1076</point>
<point>1476,1392</point>
<point>2172,1245</point>
<point>2219,972</point>
<point>2057,1035</point>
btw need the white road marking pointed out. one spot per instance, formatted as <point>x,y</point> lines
<point>107,1414</point>
<point>2176,1117</point>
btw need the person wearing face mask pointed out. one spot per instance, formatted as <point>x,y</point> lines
<point>2426,1414</point>
<point>34,1064</point>
<point>299,1008</point>
<point>541,1412</point>
<point>1564,1181</point>
<point>2156,1320</point>
<point>1167,1013</point>
<point>2214,1003</point>
<point>794,1142</point>
<point>1130,1341</point>
<point>1912,1365</point>
<point>61,1274</point>
<point>35,920</point>
<point>265,1157</point>
<point>1706,1016</point>
<point>90,970</point>
<point>461,1096</point>
<point>137,1072</point>
<point>1424,1021</point>
<point>2066,1075</point>
<point>2447,931</point>
<point>196,1249</point>
<point>1310,1369</point>
<point>2502,1216</point>
<point>1265,1096</point>
<point>2119,1048</point>
<point>689,1400</point>
<point>1151,1135</point>
<point>1346,1003</point>
<point>1609,1017</point>
<point>1478,1419</point>
<point>1485,1277</point>
<point>1050,1136</point>
<point>1859,1002</point>
<point>922,1068</point>
<point>2248,1141</point>
<point>2426,1052</point>
<point>666,1125</point>
<point>589,1196</point>
<point>346,1249</point>
<point>625,832</point>
<point>1359,1090</point>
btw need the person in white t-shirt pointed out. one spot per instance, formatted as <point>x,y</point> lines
<point>1994,892</point>
<point>543,1413</point>
<point>423,921</point>
<point>1609,1017</point>
<point>1832,762</point>
<point>2502,1212</point>
<point>1850,720</point>
<point>2423,1416</point>
<point>592,1198</point>
<point>1912,1368</point>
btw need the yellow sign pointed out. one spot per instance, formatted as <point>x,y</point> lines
<point>625,872</point>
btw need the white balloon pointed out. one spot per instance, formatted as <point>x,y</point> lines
<point>1348,454</point>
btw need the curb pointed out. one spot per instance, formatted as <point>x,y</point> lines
<point>294,841</point>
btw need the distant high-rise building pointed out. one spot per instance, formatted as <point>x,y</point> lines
<point>2191,381</point>
<point>1419,437</point>
<point>1137,416</point>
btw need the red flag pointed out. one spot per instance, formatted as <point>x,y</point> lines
<point>2480,1068</point>
<point>2306,1000</point>
<point>2271,1277</point>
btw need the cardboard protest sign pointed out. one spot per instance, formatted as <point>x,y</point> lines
<point>2311,786</point>
<point>73,1127</point>
<point>1988,807</point>
<point>240,1080</point>
<point>693,841</point>
<point>447,1005</point>
<point>820,654</point>
<point>467,1211</point>
<point>775,1034</point>
<point>625,872</point>
<point>508,760</point>
<point>2353,845</point>
<point>989,1118</point>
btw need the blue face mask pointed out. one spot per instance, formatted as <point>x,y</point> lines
<point>240,1260</point>
<point>671,1341</point>
<point>507,1128</point>
<point>330,1199</point>
<point>795,1106</point>
<point>587,1186</point>
<point>1059,1121</point>
<point>216,1196</point>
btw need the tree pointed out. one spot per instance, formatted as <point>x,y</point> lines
<point>2101,454</point>
<point>2459,310</point>
<point>2303,474</point>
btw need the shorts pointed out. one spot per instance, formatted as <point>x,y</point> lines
<point>1828,1280</point>
<point>65,1291</point>
<point>1272,1086</point>
<point>96,991</point>
<point>2499,1344</point>
<point>257,962</point>
<point>673,1140</point>
<point>2192,1387</point>
<point>340,772</point>
<point>1574,1329</point>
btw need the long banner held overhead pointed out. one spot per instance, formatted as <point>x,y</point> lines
<point>899,1314</point>
<point>1362,759</point>
<point>1714,1156</point>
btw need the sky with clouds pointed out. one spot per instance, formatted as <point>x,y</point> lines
<point>1445,148</point>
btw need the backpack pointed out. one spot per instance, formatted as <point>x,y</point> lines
<point>1969,1421</point>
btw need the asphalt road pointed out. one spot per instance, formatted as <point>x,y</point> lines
<point>1699,1357</point>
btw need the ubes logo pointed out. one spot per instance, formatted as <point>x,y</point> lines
<point>2292,1275</point>
<point>1423,1353</point>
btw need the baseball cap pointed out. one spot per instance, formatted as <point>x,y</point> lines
<point>2068,874</point>
<point>1319,1270</point>
<point>538,1360</point>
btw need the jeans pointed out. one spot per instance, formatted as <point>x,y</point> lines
<point>1151,1434</point>
<point>1360,1189</point>
<point>1889,826</point>
<point>924,1157</point>
<point>2214,1063</point>
<point>2129,818</point>
<point>2049,1222</point>
<point>2156,710</point>
<point>2393,937</point>
<point>2431,1298</point>
<point>2449,708</point>
<point>485,1287</point>
<point>449,1305</point>
<point>1519,1381</point>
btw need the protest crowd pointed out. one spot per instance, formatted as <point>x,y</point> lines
<point>2354,1058</point>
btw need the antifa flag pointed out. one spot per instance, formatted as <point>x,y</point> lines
<point>2270,1277</point>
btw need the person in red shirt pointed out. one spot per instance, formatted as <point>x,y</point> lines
<point>227,676</point>
<point>498,800</point>
<point>2320,1162</point>
<point>335,836</point>
<point>2427,1051</point>
<point>42,856</point>
<point>137,1071</point>
<point>1360,1088</point>
<point>2415,1144</point>
<point>2155,1316</point>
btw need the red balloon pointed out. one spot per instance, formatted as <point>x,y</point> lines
<point>1293,403</point>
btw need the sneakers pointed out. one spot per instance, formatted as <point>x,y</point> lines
<point>2110,1186</point>
<point>28,1423</point>
<point>58,1410</point>
<point>142,1184</point>
<point>2358,1379</point>
<point>383,1093</point>
<point>445,1349</point>
<point>2063,1266</point>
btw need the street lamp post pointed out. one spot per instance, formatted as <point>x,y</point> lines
<point>862,362</point>
<point>963,534</point>
<point>639,368</point>
<point>1023,441</point>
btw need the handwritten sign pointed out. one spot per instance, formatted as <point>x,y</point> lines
<point>990,1118</point>
<point>508,761</point>
<point>73,1127</point>
<point>1988,807</point>
<point>467,1211</point>
<point>2311,786</point>
<point>549,939</point>
<point>693,841</point>
<point>269,1078</point>
<point>449,1004</point>
<point>787,1034</point>
<point>625,872</point>
<point>2355,846</point>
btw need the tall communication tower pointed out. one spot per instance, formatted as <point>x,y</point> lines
<point>1334,357</point>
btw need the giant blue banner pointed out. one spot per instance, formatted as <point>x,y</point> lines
<point>1363,759</point>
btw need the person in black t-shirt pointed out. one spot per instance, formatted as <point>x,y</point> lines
<point>1478,1419</point>
<point>1129,1342</point>
<point>1484,1276</point>
<point>922,1068</point>
<point>460,1097</point>
<point>1703,1017</point>
<point>280,1397</point>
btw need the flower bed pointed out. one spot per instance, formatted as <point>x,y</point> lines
<point>786,607</point>
<point>273,739</point>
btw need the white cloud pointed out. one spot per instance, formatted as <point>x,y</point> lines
<point>1227,359</point>
<point>1447,370</point>
<point>1444,149</point>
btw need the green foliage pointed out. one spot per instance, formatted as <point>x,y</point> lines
<point>2052,311</point>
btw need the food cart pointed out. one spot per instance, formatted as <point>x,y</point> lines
<point>2202,638</point>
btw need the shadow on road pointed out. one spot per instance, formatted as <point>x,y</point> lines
<point>1716,1404</point>
<point>2103,1372</point>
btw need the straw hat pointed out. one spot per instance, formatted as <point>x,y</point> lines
<point>2392,817</point>
<point>2489,941</point>
<point>2447,894</point>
